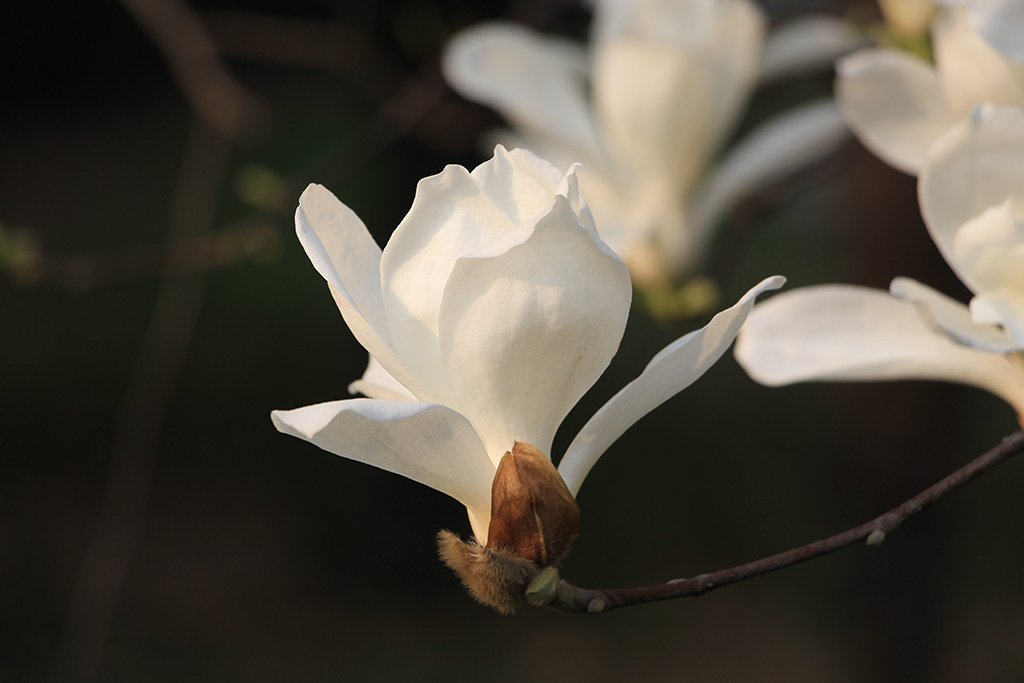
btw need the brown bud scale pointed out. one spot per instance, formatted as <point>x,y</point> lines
<point>533,514</point>
<point>534,519</point>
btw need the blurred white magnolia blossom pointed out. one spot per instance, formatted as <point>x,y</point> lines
<point>493,308</point>
<point>1000,23</point>
<point>898,104</point>
<point>647,107</point>
<point>971,190</point>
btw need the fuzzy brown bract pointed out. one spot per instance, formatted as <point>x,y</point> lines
<point>534,519</point>
<point>494,577</point>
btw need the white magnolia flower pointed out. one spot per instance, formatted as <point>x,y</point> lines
<point>648,107</point>
<point>493,308</point>
<point>898,104</point>
<point>972,197</point>
<point>1000,22</point>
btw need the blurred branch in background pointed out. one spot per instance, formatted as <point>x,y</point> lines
<point>222,109</point>
<point>141,415</point>
<point>223,112</point>
<point>31,266</point>
<point>192,58</point>
<point>192,49</point>
<point>325,45</point>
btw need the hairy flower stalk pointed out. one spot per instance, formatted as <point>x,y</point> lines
<point>493,308</point>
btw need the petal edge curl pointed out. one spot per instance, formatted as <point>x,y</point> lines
<point>425,442</point>
<point>848,333</point>
<point>670,371</point>
<point>894,103</point>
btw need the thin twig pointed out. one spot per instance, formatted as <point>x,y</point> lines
<point>331,46</point>
<point>186,46</point>
<point>569,598</point>
<point>181,257</point>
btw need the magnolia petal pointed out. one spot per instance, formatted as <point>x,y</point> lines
<point>783,145</point>
<point>519,183</point>
<point>665,22</point>
<point>450,216</point>
<point>344,253</point>
<point>538,83</point>
<point>554,156</point>
<point>425,442</point>
<point>990,248</point>
<point>379,383</point>
<point>641,96</point>
<point>894,103</point>
<point>950,317</point>
<point>973,166</point>
<point>849,333</point>
<point>644,89</point>
<point>972,72</point>
<point>1001,22</point>
<point>673,369</point>
<point>528,325</point>
<point>806,45</point>
<point>1003,307</point>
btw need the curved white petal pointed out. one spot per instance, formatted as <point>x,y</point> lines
<point>950,317</point>
<point>783,145</point>
<point>344,253</point>
<point>1001,22</point>
<point>651,124</point>
<point>894,103</point>
<point>1003,307</point>
<point>528,324</point>
<point>655,20</point>
<point>848,333</point>
<point>521,184</point>
<point>425,442</point>
<point>972,72</point>
<point>807,44</point>
<point>673,369</point>
<point>973,166</point>
<point>667,107</point>
<point>451,216</point>
<point>990,248</point>
<point>538,83</point>
<point>377,382</point>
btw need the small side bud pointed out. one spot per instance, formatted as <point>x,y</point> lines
<point>533,515</point>
<point>876,537</point>
<point>543,588</point>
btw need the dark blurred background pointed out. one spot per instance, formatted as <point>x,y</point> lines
<point>155,307</point>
